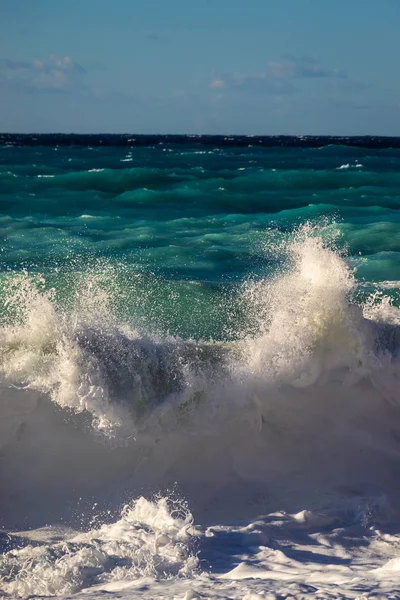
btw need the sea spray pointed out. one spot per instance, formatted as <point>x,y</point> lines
<point>163,399</point>
<point>150,540</point>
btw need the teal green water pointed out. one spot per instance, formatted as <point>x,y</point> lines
<point>174,229</point>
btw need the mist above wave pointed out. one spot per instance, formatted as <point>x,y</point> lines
<point>307,373</point>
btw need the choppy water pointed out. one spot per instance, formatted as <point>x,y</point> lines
<point>199,367</point>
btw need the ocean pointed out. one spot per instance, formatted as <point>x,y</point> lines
<point>199,367</point>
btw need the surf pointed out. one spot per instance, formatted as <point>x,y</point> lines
<point>297,407</point>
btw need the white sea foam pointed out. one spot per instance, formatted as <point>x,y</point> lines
<point>349,166</point>
<point>149,541</point>
<point>300,412</point>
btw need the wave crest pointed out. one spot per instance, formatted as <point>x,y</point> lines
<point>309,373</point>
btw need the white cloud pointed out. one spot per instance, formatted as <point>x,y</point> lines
<point>54,78</point>
<point>291,68</point>
<point>217,84</point>
<point>65,63</point>
<point>277,79</point>
<point>38,64</point>
<point>55,72</point>
<point>260,83</point>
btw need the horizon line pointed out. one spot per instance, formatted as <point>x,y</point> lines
<point>232,135</point>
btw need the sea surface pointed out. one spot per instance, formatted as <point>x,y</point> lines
<point>199,367</point>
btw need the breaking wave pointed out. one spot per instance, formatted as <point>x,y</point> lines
<point>300,407</point>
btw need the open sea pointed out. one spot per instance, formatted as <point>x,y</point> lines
<point>199,367</point>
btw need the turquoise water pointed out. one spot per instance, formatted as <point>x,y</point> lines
<point>178,226</point>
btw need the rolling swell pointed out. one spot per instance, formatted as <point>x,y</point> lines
<point>194,212</point>
<point>133,191</point>
<point>251,179</point>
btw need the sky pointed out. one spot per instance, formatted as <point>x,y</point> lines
<point>255,67</point>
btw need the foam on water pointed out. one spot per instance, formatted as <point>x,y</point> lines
<point>299,411</point>
<point>150,540</point>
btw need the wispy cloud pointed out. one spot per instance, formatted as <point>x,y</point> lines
<point>217,84</point>
<point>352,86</point>
<point>66,63</point>
<point>261,83</point>
<point>277,79</point>
<point>55,72</point>
<point>348,104</point>
<point>154,37</point>
<point>15,65</point>
<point>296,68</point>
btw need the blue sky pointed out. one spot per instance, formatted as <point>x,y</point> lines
<point>216,66</point>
